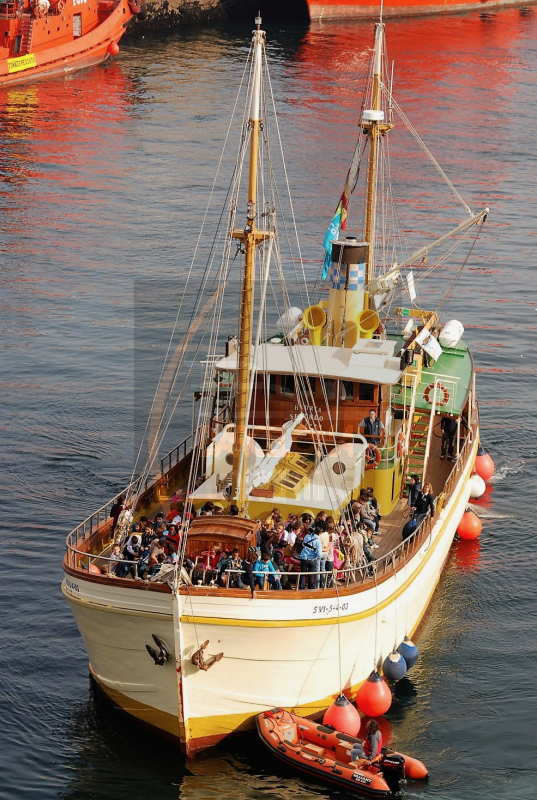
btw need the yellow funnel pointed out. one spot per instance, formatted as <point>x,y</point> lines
<point>368,322</point>
<point>351,335</point>
<point>314,318</point>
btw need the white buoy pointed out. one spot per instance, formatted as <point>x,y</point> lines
<point>451,333</point>
<point>477,486</point>
<point>289,320</point>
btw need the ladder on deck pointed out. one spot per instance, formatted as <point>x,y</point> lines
<point>26,29</point>
<point>419,434</point>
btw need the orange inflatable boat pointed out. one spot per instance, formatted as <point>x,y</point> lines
<point>326,754</point>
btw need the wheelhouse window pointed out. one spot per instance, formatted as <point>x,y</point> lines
<point>366,392</point>
<point>329,388</point>
<point>287,384</point>
<point>346,390</point>
<point>272,384</point>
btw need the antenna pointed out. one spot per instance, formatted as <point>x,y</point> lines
<point>381,7</point>
<point>258,20</point>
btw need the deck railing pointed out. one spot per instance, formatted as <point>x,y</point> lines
<point>92,523</point>
<point>355,574</point>
<point>179,452</point>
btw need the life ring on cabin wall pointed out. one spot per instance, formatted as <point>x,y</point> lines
<point>442,394</point>
<point>401,449</point>
<point>372,457</point>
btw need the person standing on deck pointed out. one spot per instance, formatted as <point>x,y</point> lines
<point>310,559</point>
<point>448,426</point>
<point>424,504</point>
<point>373,428</point>
<point>413,492</point>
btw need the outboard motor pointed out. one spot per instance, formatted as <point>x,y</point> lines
<point>393,769</point>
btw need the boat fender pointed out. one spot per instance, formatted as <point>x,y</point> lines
<point>470,526</point>
<point>442,394</point>
<point>401,449</point>
<point>484,465</point>
<point>372,457</point>
<point>409,651</point>
<point>142,13</point>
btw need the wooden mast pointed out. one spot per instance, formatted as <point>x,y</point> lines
<point>373,121</point>
<point>250,236</point>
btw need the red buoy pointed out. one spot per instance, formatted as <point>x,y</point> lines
<point>470,526</point>
<point>484,465</point>
<point>113,48</point>
<point>343,716</point>
<point>374,696</point>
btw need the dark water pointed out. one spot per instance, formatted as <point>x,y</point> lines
<point>102,178</point>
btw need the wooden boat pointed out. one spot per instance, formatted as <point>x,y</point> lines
<point>325,754</point>
<point>43,38</point>
<point>286,434</point>
<point>321,10</point>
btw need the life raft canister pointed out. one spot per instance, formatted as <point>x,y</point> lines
<point>372,457</point>
<point>442,394</point>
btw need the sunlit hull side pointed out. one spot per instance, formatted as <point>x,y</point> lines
<point>355,9</point>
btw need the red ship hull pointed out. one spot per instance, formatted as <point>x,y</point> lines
<point>358,9</point>
<point>56,39</point>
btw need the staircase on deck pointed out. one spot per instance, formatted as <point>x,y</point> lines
<point>417,446</point>
<point>26,34</point>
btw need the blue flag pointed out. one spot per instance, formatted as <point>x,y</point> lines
<point>331,234</point>
<point>339,221</point>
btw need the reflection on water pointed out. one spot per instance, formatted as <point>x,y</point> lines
<point>102,178</point>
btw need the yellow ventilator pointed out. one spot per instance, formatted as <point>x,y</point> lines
<point>367,322</point>
<point>314,319</point>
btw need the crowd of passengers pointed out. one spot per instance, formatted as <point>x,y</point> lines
<point>316,547</point>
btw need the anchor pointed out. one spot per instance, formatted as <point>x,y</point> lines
<point>198,659</point>
<point>162,656</point>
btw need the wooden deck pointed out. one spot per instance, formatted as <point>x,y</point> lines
<point>391,526</point>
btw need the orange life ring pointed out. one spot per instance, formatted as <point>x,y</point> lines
<point>401,449</point>
<point>442,394</point>
<point>372,457</point>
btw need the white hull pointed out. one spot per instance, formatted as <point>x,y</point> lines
<point>276,651</point>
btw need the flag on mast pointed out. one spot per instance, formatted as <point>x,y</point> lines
<point>339,220</point>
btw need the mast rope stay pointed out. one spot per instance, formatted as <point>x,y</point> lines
<point>386,92</point>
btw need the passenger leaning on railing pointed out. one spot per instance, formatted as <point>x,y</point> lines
<point>264,568</point>
<point>310,557</point>
<point>373,428</point>
<point>424,504</point>
<point>115,557</point>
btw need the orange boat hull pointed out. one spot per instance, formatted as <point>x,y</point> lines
<point>358,9</point>
<point>70,53</point>
<point>325,754</point>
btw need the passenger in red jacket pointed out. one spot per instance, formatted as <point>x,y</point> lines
<point>373,740</point>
